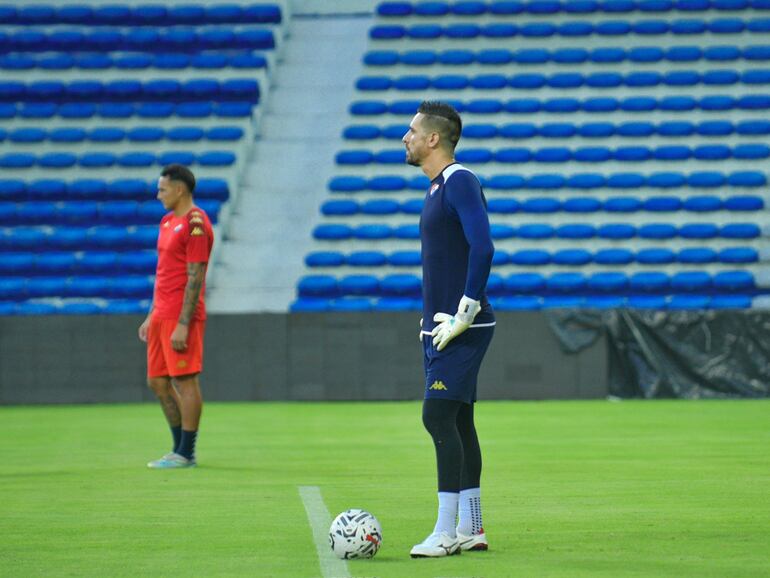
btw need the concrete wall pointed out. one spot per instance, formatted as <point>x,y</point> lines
<point>284,357</point>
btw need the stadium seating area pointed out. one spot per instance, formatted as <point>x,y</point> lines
<point>94,100</point>
<point>620,143</point>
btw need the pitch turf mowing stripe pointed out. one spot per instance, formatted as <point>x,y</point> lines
<point>320,520</point>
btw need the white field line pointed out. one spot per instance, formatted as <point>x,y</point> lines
<point>320,520</point>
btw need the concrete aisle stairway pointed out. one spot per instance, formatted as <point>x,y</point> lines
<point>270,231</point>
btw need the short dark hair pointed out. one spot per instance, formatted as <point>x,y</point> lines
<point>181,174</point>
<point>444,119</point>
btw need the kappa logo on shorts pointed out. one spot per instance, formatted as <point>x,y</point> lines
<point>181,364</point>
<point>438,385</point>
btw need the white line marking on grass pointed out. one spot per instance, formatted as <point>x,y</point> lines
<point>320,520</point>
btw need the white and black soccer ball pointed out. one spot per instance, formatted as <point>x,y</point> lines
<point>355,534</point>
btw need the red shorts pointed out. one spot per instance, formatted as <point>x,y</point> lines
<point>163,360</point>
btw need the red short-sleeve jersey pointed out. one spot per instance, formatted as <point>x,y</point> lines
<point>181,240</point>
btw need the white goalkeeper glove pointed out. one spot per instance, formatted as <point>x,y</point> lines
<point>450,326</point>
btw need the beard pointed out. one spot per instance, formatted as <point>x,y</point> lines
<point>412,160</point>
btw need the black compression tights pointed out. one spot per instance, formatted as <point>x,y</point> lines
<point>458,456</point>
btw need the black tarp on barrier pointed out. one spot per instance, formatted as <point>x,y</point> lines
<point>682,354</point>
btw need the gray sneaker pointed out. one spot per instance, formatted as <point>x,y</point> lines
<point>172,460</point>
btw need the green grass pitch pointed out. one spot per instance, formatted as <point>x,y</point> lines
<point>570,489</point>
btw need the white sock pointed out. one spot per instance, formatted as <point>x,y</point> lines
<point>470,512</point>
<point>447,513</point>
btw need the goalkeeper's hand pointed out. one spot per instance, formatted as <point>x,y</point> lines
<point>450,326</point>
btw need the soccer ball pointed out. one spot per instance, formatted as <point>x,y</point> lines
<point>355,534</point>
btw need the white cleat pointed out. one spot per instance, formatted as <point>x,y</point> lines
<point>172,461</point>
<point>474,542</point>
<point>436,546</point>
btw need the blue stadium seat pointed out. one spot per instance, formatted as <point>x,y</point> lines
<point>698,231</point>
<point>324,259</point>
<point>118,212</point>
<point>359,285</point>
<point>399,285</point>
<point>526,283</point>
<point>696,255</point>
<point>702,203</point>
<point>658,231</point>
<point>530,257</point>
<point>503,205</point>
<point>730,302</point>
<point>738,255</point>
<point>733,281</point>
<point>649,282</point>
<point>318,286</point>
<point>566,282</point>
<point>366,259</point>
<point>613,256</point>
<point>572,257</point>
<point>517,303</point>
<point>66,238</point>
<point>570,231</point>
<point>607,282</point>
<point>688,302</point>
<point>18,264</point>
<point>310,305</point>
<point>404,259</point>
<point>12,189</point>
<point>690,281</point>
<point>339,207</point>
<point>77,213</point>
<point>655,256</point>
<point>616,231</point>
<point>753,127</point>
<point>662,204</point>
<point>143,262</point>
<point>372,232</point>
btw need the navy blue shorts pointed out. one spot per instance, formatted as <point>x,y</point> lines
<point>453,373</point>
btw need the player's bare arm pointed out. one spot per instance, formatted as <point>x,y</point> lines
<point>145,326</point>
<point>196,274</point>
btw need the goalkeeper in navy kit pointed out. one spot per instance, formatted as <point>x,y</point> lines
<point>457,324</point>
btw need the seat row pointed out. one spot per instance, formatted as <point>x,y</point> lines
<point>514,7</point>
<point>106,159</point>
<point>140,15</point>
<point>76,307</point>
<point>558,154</point>
<point>531,303</point>
<point>536,257</point>
<point>564,80</point>
<point>571,56</point>
<point>60,61</point>
<point>125,110</point>
<point>78,263</point>
<point>604,282</point>
<point>166,90</point>
<point>561,105</point>
<point>114,135</point>
<point>544,231</point>
<point>100,190</point>
<point>570,29</point>
<point>144,39</point>
<point>98,238</point>
<point>543,205</point>
<point>551,181</point>
<point>560,130</point>
<point>89,212</point>
<point>114,287</point>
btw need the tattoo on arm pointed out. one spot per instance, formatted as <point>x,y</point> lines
<point>196,273</point>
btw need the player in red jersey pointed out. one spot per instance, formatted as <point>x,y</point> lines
<point>175,324</point>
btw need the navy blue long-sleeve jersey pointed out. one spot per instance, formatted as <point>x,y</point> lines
<point>457,246</point>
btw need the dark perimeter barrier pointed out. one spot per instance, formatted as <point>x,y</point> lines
<point>556,354</point>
